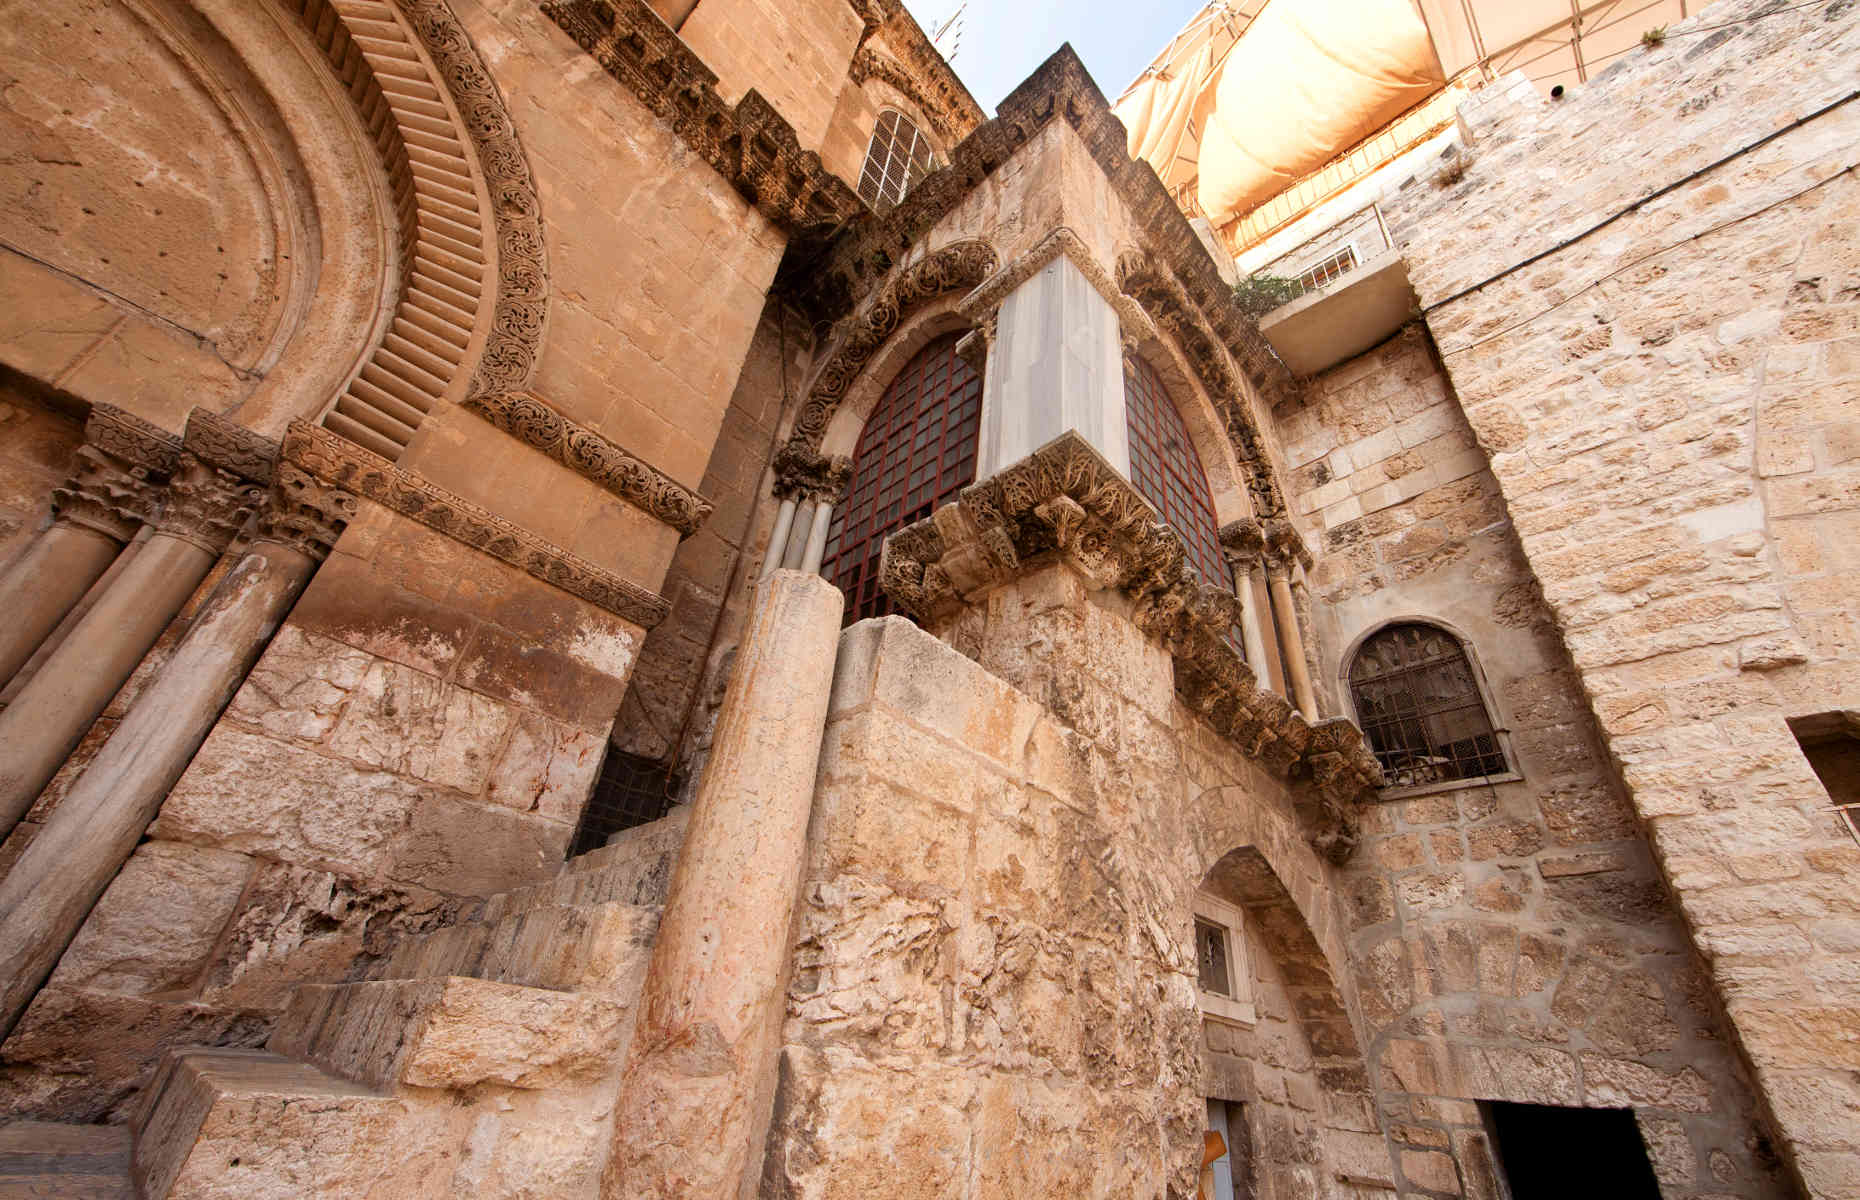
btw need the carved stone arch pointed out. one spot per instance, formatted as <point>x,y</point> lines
<point>958,266</point>
<point>935,319</point>
<point>470,316</point>
<point>869,63</point>
<point>1256,859</point>
<point>1175,313</point>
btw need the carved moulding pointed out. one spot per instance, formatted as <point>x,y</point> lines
<point>803,473</point>
<point>224,443</point>
<point>955,267</point>
<point>304,513</point>
<point>115,482</point>
<point>985,301</point>
<point>530,419</point>
<point>341,463</point>
<point>749,143</point>
<point>946,111</point>
<point>1065,500</point>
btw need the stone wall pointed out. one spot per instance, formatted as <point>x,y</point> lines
<point>994,986</point>
<point>36,445</point>
<point>1644,297</point>
<point>1513,939</point>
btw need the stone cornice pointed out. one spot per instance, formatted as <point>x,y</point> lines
<point>1064,500</point>
<point>987,296</point>
<point>955,267</point>
<point>530,419</point>
<point>229,446</point>
<point>336,461</point>
<point>749,143</point>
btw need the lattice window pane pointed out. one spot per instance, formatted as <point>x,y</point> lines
<point>1421,709</point>
<point>1166,469</point>
<point>916,452</point>
<point>898,156</point>
<point>631,791</point>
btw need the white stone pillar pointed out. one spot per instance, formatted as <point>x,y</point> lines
<point>54,883</point>
<point>817,538</point>
<point>1056,364</point>
<point>797,536</point>
<point>1252,635</point>
<point>778,538</point>
<point>1291,643</point>
<point>700,1077</point>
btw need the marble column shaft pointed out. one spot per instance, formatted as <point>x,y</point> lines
<point>778,538</point>
<point>699,1082</point>
<point>1291,642</point>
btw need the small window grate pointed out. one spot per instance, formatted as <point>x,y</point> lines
<point>898,156</point>
<point>1420,707</point>
<point>632,790</point>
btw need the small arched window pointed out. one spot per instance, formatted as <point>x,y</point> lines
<point>916,452</point>
<point>1419,704</point>
<point>898,156</point>
<point>1166,469</point>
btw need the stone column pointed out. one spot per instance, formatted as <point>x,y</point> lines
<point>778,538</point>
<point>54,883</point>
<point>816,549</point>
<point>1056,363</point>
<point>699,1083</point>
<point>797,536</point>
<point>113,489</point>
<point>1284,549</point>
<point>1243,542</point>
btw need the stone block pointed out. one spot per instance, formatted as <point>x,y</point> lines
<point>469,849</point>
<point>545,767</point>
<point>155,926</point>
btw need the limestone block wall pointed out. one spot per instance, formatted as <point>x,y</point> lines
<point>795,54</point>
<point>1650,343</point>
<point>36,445</point>
<point>1512,940</point>
<point>993,988</point>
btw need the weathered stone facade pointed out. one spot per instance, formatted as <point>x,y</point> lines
<point>452,403</point>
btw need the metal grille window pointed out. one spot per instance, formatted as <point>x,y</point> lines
<point>1420,706</point>
<point>1166,469</point>
<point>899,155</point>
<point>916,452</point>
<point>631,790</point>
<point>1335,267</point>
<point>1211,955</point>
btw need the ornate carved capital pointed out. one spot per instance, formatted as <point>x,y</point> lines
<point>749,143</point>
<point>116,475</point>
<point>229,446</point>
<point>342,464</point>
<point>802,473</point>
<point>1064,501</point>
<point>1284,548</point>
<point>206,505</point>
<point>530,419</point>
<point>304,513</point>
<point>1243,542</point>
<point>957,266</point>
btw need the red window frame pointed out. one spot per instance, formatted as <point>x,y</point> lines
<point>916,452</point>
<point>1166,469</point>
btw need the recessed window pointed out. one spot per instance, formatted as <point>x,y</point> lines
<point>1223,977</point>
<point>899,155</point>
<point>1211,957</point>
<point>1419,705</point>
<point>1166,469</point>
<point>631,790</point>
<point>1831,742</point>
<point>916,452</point>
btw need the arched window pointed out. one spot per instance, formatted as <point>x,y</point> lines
<point>1166,469</point>
<point>1419,704</point>
<point>898,156</point>
<point>916,452</point>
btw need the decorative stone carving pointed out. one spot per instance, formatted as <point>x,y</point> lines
<point>335,460</point>
<point>305,513</point>
<point>748,144</point>
<point>957,266</point>
<point>521,307</point>
<point>1283,547</point>
<point>530,419</point>
<point>229,446</point>
<point>803,473</point>
<point>206,505</point>
<point>105,494</point>
<point>125,436</point>
<point>1066,500</point>
<point>1243,542</point>
<point>950,111</point>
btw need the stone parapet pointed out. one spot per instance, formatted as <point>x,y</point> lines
<point>1065,501</point>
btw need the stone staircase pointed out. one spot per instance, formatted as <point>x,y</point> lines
<point>479,1059</point>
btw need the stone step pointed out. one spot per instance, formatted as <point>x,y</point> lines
<point>451,1032</point>
<point>600,949</point>
<point>222,1124</point>
<point>43,1161</point>
<point>635,867</point>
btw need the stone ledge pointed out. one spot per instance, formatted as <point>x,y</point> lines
<point>1065,501</point>
<point>344,465</point>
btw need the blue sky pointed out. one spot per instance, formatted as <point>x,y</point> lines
<point>1006,39</point>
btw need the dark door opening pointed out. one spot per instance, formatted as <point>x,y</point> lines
<point>1548,1153</point>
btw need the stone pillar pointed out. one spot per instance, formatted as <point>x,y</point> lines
<point>204,508</point>
<point>817,538</point>
<point>778,538</point>
<point>1243,542</point>
<point>54,883</point>
<point>1284,550</point>
<point>699,1083</point>
<point>1055,364</point>
<point>113,489</point>
<point>797,536</point>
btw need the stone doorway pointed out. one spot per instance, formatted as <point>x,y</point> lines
<point>1546,1152</point>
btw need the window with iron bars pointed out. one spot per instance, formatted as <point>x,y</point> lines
<point>1166,469</point>
<point>631,790</point>
<point>916,452</point>
<point>1334,267</point>
<point>1420,707</point>
<point>898,156</point>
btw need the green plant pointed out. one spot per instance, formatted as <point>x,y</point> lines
<point>1258,295</point>
<point>1653,37</point>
